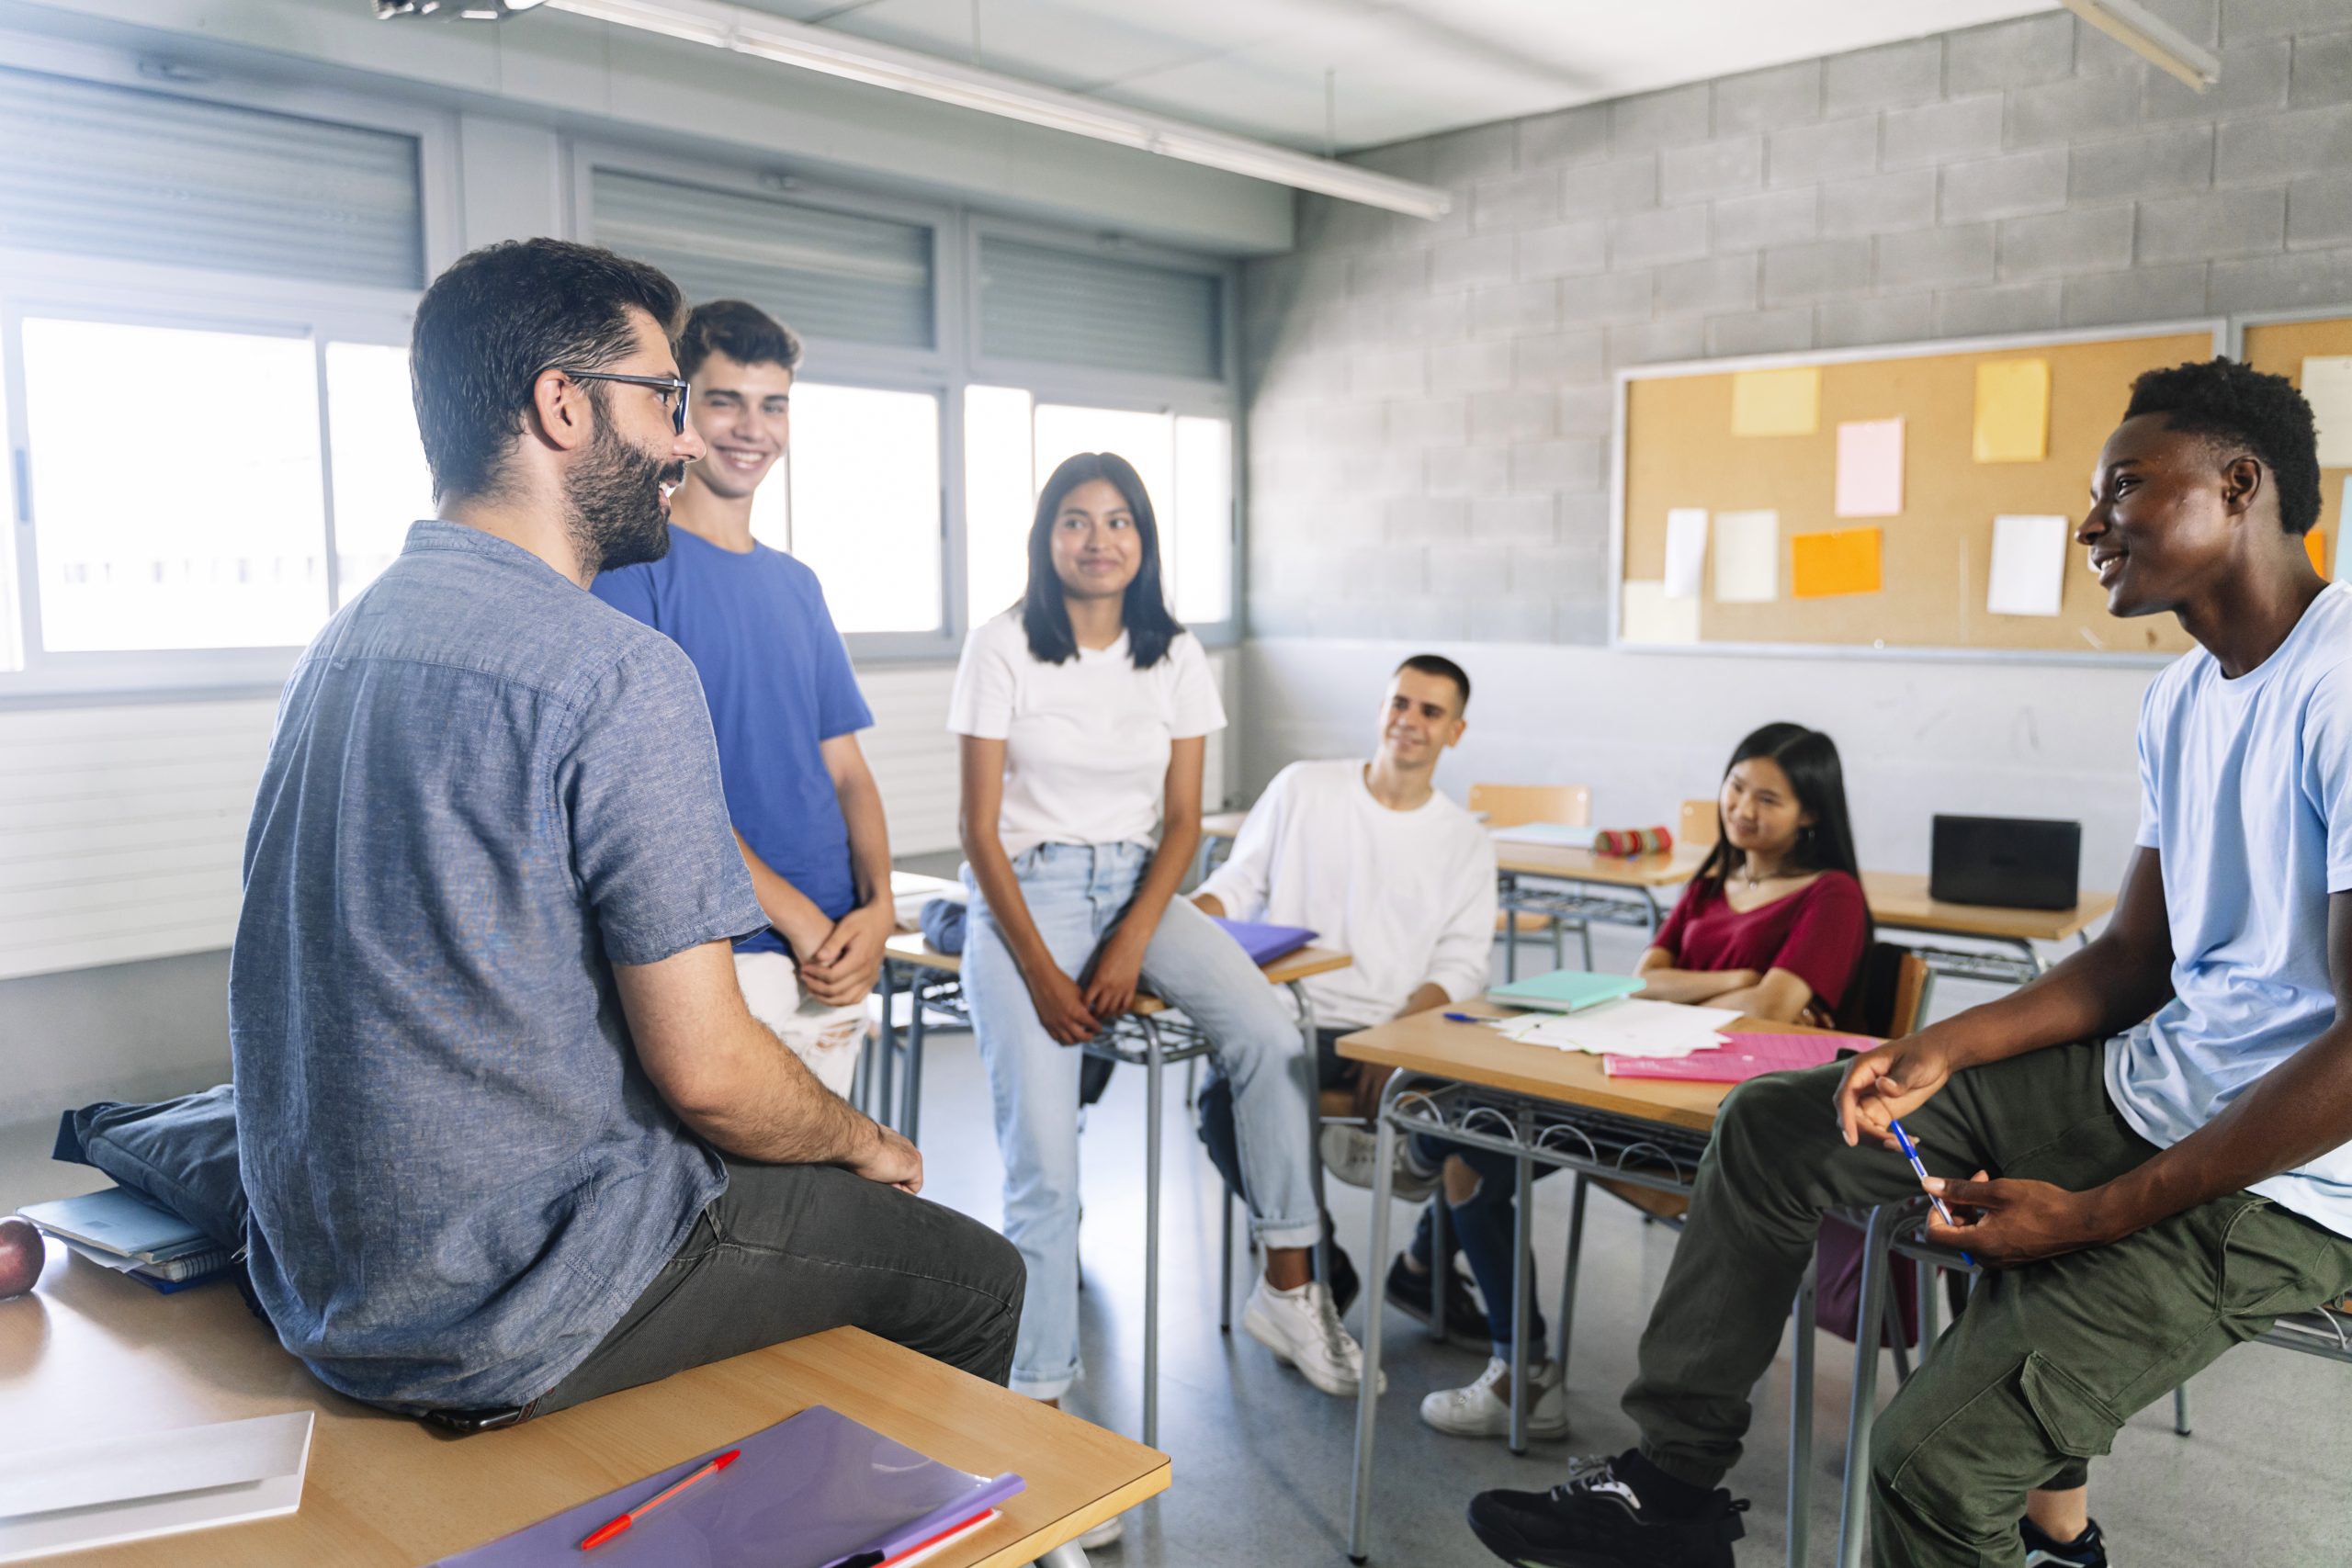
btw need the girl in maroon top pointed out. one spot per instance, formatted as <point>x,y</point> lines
<point>1774,924</point>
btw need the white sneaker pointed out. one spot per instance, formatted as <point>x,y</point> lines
<point>1302,1330</point>
<point>1351,1154</point>
<point>1483,1409</point>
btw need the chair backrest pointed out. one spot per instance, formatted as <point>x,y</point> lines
<point>1511,806</point>
<point>1698,828</point>
<point>1888,992</point>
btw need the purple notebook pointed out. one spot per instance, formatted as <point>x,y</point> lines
<point>1266,943</point>
<point>812,1491</point>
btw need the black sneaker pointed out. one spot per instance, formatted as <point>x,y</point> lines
<point>1594,1520</point>
<point>2087,1550</point>
<point>1346,1286</point>
<point>1409,1293</point>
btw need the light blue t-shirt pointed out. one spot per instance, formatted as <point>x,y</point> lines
<point>2246,792</point>
<point>485,789</point>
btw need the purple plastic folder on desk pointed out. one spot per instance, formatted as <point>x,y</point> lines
<point>1266,943</point>
<point>807,1492</point>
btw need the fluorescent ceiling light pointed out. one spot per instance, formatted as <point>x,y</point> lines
<point>745,31</point>
<point>2163,45</point>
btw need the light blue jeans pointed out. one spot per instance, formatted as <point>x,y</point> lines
<point>1075,895</point>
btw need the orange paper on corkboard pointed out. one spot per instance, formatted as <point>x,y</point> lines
<point>2315,546</point>
<point>1842,561</point>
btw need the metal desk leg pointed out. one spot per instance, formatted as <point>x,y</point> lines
<point>1510,929</point>
<point>885,1092</point>
<point>910,1105</point>
<point>1522,1286</point>
<point>1854,1512</point>
<point>2180,1410</point>
<point>1801,1424</point>
<point>1313,1131</point>
<point>1440,1256</point>
<point>1568,1270</point>
<point>1225,1273</point>
<point>1152,1067</point>
<point>1368,1394</point>
<point>1651,911</point>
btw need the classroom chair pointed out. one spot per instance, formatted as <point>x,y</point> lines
<point>1894,1230</point>
<point>1699,825</point>
<point>1513,806</point>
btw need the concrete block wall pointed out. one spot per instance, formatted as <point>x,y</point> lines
<point>1429,403</point>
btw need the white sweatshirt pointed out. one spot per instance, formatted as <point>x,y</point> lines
<point>1409,894</point>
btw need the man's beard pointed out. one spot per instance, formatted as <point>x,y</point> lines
<point>613,497</point>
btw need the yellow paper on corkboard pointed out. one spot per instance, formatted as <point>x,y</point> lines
<point>1776,403</point>
<point>2013,410</point>
<point>1845,560</point>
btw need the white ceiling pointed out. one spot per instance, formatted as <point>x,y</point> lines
<point>1397,68</point>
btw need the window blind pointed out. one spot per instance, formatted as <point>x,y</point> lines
<point>830,275</point>
<point>1064,307</point>
<point>92,169</point>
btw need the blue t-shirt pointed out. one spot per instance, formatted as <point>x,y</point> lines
<point>779,685</point>
<point>484,789</point>
<point>2245,790</point>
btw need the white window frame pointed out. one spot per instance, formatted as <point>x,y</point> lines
<point>47,284</point>
<point>1183,396</point>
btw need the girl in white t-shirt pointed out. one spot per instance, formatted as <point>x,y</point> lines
<point>1084,714</point>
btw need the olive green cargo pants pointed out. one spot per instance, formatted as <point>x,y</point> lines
<point>2047,1361</point>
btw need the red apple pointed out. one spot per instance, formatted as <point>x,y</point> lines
<point>21,1256</point>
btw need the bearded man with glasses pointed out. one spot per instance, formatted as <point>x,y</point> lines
<point>511,1136</point>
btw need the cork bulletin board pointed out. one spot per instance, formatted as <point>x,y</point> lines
<point>1928,566</point>
<point>2280,347</point>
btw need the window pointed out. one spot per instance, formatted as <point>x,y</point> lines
<point>1059,306</point>
<point>864,503</point>
<point>382,484</point>
<point>1014,442</point>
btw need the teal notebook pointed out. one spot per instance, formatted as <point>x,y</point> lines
<point>1564,990</point>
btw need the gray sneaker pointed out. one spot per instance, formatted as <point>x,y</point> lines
<point>1349,1153</point>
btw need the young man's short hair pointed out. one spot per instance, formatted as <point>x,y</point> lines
<point>744,334</point>
<point>495,322</point>
<point>2235,405</point>
<point>1440,665</point>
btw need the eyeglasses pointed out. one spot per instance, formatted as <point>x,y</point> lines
<point>668,386</point>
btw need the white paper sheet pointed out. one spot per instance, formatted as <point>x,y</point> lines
<point>2327,387</point>
<point>1652,619</point>
<point>1633,1027</point>
<point>1748,557</point>
<point>2029,574</point>
<point>1686,551</point>
<point>65,1499</point>
<point>1869,468</point>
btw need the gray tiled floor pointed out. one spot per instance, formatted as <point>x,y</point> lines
<point>1261,1460</point>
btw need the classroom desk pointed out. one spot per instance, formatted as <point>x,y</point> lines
<point>90,1355</point>
<point>1147,1036</point>
<point>1899,901</point>
<point>1561,1108</point>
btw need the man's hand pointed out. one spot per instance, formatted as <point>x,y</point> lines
<point>2006,1222</point>
<point>1118,968</point>
<point>892,1161</point>
<point>1061,1009</point>
<point>842,968</point>
<point>1893,1081</point>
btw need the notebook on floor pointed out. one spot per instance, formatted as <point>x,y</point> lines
<point>1564,990</point>
<point>817,1491</point>
<point>1266,943</point>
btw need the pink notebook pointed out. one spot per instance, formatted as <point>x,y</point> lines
<point>1744,1057</point>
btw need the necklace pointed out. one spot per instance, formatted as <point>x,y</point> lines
<point>1747,874</point>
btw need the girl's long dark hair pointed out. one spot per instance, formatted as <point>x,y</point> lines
<point>1044,615</point>
<point>1809,758</point>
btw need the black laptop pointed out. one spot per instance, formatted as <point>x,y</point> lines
<point>2019,863</point>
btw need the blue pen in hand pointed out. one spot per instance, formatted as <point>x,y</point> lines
<point>1913,1156</point>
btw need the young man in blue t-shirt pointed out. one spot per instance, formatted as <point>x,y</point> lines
<point>2150,1148</point>
<point>783,700</point>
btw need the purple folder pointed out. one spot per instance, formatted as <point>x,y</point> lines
<point>1266,943</point>
<point>807,1492</point>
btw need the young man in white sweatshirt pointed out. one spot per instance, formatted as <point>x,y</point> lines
<point>1368,856</point>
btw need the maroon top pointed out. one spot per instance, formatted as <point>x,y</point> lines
<point>1815,933</point>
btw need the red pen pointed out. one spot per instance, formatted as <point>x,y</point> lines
<point>606,1532</point>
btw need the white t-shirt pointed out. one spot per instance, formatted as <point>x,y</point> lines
<point>2245,795</point>
<point>1409,896</point>
<point>1086,740</point>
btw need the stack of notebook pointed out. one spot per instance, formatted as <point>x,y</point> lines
<point>118,1229</point>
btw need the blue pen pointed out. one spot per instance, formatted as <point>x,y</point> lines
<point>1913,1156</point>
<point>1466,1018</point>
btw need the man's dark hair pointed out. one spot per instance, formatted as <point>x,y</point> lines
<point>744,334</point>
<point>1440,665</point>
<point>497,317</point>
<point>2235,405</point>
